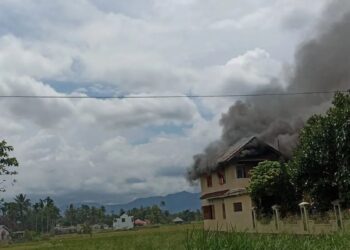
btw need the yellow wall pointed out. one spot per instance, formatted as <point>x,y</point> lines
<point>231,181</point>
<point>236,221</point>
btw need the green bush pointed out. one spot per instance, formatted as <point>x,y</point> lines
<point>270,184</point>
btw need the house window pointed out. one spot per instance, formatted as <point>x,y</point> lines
<point>223,211</point>
<point>208,212</point>
<point>242,172</point>
<point>237,207</point>
<point>209,181</point>
<point>221,176</point>
<point>123,219</point>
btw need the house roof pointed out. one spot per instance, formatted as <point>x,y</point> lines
<point>245,147</point>
<point>125,216</point>
<point>4,227</point>
<point>214,194</point>
<point>140,222</point>
<point>178,219</point>
<point>224,193</point>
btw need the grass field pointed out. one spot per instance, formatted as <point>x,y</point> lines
<point>186,237</point>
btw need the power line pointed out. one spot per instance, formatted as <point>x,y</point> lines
<point>169,96</point>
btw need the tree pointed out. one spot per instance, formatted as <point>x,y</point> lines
<point>47,212</point>
<point>270,184</point>
<point>320,168</point>
<point>6,162</point>
<point>10,210</point>
<point>121,212</point>
<point>22,206</point>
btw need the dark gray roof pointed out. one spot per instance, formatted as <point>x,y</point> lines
<point>238,148</point>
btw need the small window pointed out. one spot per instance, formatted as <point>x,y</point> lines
<point>223,211</point>
<point>208,212</point>
<point>221,176</point>
<point>242,172</point>
<point>123,219</point>
<point>237,207</point>
<point>209,181</point>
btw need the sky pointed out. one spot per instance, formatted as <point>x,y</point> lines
<point>117,150</point>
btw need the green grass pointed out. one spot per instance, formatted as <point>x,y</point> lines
<point>187,237</point>
<point>199,239</point>
<point>165,237</point>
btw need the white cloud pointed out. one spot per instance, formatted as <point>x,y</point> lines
<point>114,47</point>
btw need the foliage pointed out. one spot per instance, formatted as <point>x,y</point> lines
<point>21,215</point>
<point>270,184</point>
<point>86,215</point>
<point>6,162</point>
<point>158,216</point>
<point>22,205</point>
<point>188,215</point>
<point>320,168</point>
<point>86,229</point>
<point>44,215</point>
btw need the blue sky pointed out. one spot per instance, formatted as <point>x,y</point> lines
<point>126,149</point>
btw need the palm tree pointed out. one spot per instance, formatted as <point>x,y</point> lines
<point>36,208</point>
<point>51,211</point>
<point>22,205</point>
<point>70,214</point>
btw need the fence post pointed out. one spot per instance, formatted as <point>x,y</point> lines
<point>304,215</point>
<point>338,214</point>
<point>254,218</point>
<point>275,209</point>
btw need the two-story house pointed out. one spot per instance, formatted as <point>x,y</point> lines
<point>226,204</point>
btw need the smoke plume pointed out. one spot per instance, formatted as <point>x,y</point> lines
<point>322,63</point>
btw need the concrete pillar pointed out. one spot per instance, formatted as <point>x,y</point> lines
<point>275,209</point>
<point>338,214</point>
<point>304,215</point>
<point>254,218</point>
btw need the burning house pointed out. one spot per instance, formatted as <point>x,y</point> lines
<point>321,68</point>
<point>226,203</point>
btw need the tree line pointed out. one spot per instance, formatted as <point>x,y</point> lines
<point>319,170</point>
<point>43,216</point>
<point>156,215</point>
<point>20,214</point>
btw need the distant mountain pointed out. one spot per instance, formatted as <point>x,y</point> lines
<point>173,202</point>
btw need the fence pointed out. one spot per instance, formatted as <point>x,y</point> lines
<point>303,224</point>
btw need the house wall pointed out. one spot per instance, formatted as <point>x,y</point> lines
<point>127,224</point>
<point>231,181</point>
<point>234,221</point>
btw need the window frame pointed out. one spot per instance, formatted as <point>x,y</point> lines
<point>209,180</point>
<point>237,207</point>
<point>208,212</point>
<point>242,172</point>
<point>222,177</point>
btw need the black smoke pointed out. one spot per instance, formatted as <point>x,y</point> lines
<point>322,63</point>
